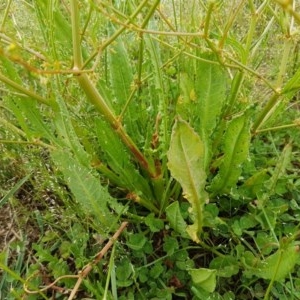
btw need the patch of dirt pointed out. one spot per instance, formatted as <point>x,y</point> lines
<point>8,228</point>
<point>18,222</point>
<point>16,226</point>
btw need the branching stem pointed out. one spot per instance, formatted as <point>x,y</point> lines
<point>96,98</point>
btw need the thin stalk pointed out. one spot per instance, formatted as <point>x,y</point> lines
<point>287,46</point>
<point>118,32</point>
<point>266,297</point>
<point>241,66</point>
<point>147,204</point>
<point>237,65</point>
<point>194,20</point>
<point>208,18</point>
<point>97,100</point>
<point>136,88</point>
<point>76,35</point>
<point>267,29</point>
<point>24,91</point>
<point>270,225</point>
<point>110,175</point>
<point>87,21</point>
<point>262,7</point>
<point>9,41</point>
<point>262,116</point>
<point>88,268</point>
<point>51,37</point>
<point>235,88</point>
<point>158,182</point>
<point>279,127</point>
<point>182,51</point>
<point>140,62</point>
<point>12,127</point>
<point>111,270</point>
<point>284,61</point>
<point>134,27</point>
<point>162,67</point>
<point>35,143</point>
<point>252,6</point>
<point>229,23</point>
<point>249,246</point>
<point>150,13</point>
<point>286,5</point>
<point>6,12</point>
<point>140,59</point>
<point>166,196</point>
<point>174,14</point>
<point>239,77</point>
<point>292,24</point>
<point>254,17</point>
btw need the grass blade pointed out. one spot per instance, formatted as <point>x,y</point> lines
<point>14,190</point>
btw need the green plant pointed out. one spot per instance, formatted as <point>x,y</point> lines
<point>176,124</point>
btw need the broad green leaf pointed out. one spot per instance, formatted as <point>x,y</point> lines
<point>154,224</point>
<point>203,90</point>
<point>86,188</point>
<point>278,265</point>
<point>236,148</point>
<point>136,241</point>
<point>156,270</point>
<point>210,88</point>
<point>226,266</point>
<point>204,278</point>
<point>123,274</point>
<point>186,163</point>
<point>124,269</point>
<point>170,245</point>
<point>175,218</point>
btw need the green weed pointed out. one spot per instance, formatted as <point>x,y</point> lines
<point>180,118</point>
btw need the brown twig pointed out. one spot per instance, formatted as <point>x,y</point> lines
<point>85,271</point>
